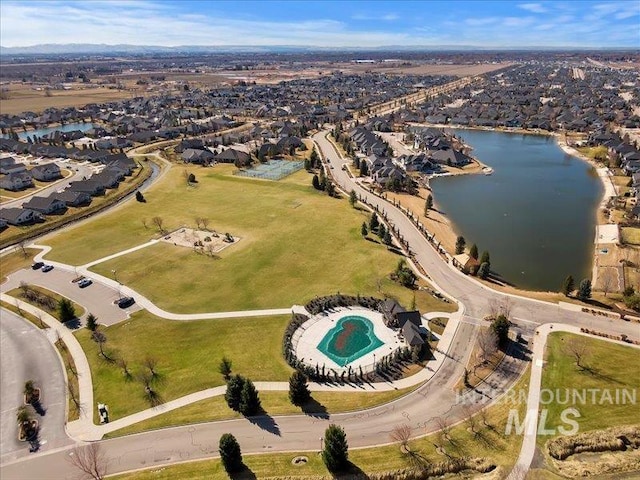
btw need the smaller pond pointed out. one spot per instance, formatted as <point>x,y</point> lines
<point>350,339</point>
<point>68,127</point>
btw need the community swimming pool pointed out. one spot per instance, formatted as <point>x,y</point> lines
<point>351,338</point>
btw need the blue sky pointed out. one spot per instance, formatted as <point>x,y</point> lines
<point>507,23</point>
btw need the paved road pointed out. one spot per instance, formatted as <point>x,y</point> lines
<point>27,354</point>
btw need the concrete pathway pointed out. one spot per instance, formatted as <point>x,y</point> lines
<point>528,448</point>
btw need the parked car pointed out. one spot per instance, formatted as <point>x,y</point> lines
<point>103,411</point>
<point>125,302</point>
<point>47,268</point>
<point>37,265</point>
<point>85,282</point>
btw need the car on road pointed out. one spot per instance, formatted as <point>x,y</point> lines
<point>37,265</point>
<point>85,282</point>
<point>125,302</point>
<point>103,411</point>
<point>47,268</point>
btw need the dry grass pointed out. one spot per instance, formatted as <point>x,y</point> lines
<point>23,98</point>
<point>26,315</point>
<point>15,261</point>
<point>611,439</point>
<point>72,385</point>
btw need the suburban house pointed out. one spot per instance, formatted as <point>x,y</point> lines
<point>232,155</point>
<point>45,205</point>
<point>464,262</point>
<point>46,172</point>
<point>92,187</point>
<point>410,324</point>
<point>9,165</point>
<point>201,157</point>
<point>73,199</point>
<point>19,216</point>
<point>16,181</point>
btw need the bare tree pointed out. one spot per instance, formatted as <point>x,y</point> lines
<point>150,394</point>
<point>205,223</point>
<point>90,460</point>
<point>401,434</point>
<point>124,365</point>
<point>151,363</point>
<point>470,419</point>
<point>484,418</point>
<point>607,280</point>
<point>73,396</point>
<point>185,174</point>
<point>159,223</point>
<point>578,349</point>
<point>144,223</point>
<point>22,247</point>
<point>444,427</point>
<point>488,343</point>
<point>100,338</point>
<point>198,222</point>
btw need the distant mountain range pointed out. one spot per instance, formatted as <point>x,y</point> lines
<point>104,49</point>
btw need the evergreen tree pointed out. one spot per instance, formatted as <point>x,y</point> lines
<point>568,285</point>
<point>501,328</point>
<point>374,223</point>
<point>353,198</point>
<point>584,290</point>
<point>364,231</point>
<point>364,170</point>
<point>249,400</point>
<point>381,230</point>
<point>314,158</point>
<point>230,454</point>
<point>483,271</point>
<point>316,182</point>
<point>233,395</point>
<point>92,322</point>
<point>485,258</point>
<point>460,244</point>
<point>225,368</point>
<point>66,310</point>
<point>298,390</point>
<point>428,205</point>
<point>335,454</point>
<point>386,238</point>
<point>473,251</point>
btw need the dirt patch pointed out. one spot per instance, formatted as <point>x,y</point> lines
<point>207,240</point>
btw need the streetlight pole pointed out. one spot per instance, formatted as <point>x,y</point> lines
<point>321,440</point>
<point>115,277</point>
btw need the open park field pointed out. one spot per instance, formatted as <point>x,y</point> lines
<point>22,98</point>
<point>606,367</point>
<point>489,442</point>
<point>296,244</point>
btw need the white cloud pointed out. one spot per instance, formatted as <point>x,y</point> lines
<point>389,17</point>
<point>533,7</point>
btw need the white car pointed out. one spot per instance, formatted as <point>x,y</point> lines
<point>103,411</point>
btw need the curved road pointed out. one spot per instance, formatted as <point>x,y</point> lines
<point>371,427</point>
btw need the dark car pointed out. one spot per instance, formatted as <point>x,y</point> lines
<point>125,302</point>
<point>37,265</point>
<point>47,268</point>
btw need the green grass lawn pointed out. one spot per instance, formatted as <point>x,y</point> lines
<point>492,444</point>
<point>296,243</point>
<point>188,355</point>
<point>615,368</point>
<point>273,403</point>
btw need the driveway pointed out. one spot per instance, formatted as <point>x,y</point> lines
<point>42,365</point>
<point>97,298</point>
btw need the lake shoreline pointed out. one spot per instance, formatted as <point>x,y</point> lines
<point>608,188</point>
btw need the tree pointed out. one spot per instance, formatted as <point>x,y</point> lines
<point>159,223</point>
<point>234,392</point>
<point>460,244</point>
<point>473,251</point>
<point>428,205</point>
<point>192,178</point>
<point>100,338</point>
<point>316,182</point>
<point>568,286</point>
<point>139,197</point>
<point>225,368</point>
<point>364,231</point>
<point>488,343</point>
<point>364,169</point>
<point>230,453</point>
<point>249,400</point>
<point>607,280</point>
<point>578,349</point>
<point>314,158</point>
<point>374,223</point>
<point>66,310</point>
<point>483,271</point>
<point>335,454</point>
<point>92,322</point>
<point>353,198</point>
<point>151,363</point>
<point>501,328</point>
<point>381,230</point>
<point>584,290</point>
<point>485,258</point>
<point>298,389</point>
<point>90,460</point>
<point>386,238</point>
<point>401,434</point>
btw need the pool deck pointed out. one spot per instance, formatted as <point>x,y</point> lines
<point>314,330</point>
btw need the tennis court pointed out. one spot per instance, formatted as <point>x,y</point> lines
<point>272,169</point>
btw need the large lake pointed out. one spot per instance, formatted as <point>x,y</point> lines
<point>535,214</point>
